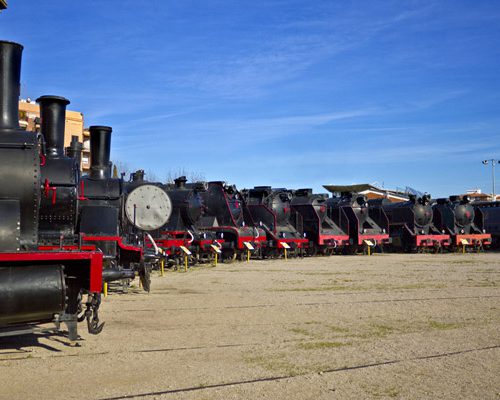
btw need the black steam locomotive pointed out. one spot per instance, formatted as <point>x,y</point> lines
<point>411,224</point>
<point>324,234</point>
<point>180,237</point>
<point>491,219</point>
<point>227,215</point>
<point>368,226</point>
<point>458,218</point>
<point>41,279</point>
<point>271,209</point>
<point>100,215</point>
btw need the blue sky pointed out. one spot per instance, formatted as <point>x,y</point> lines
<point>279,92</point>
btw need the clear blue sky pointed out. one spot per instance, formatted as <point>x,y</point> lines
<point>280,92</point>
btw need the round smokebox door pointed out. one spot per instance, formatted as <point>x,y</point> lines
<point>148,207</point>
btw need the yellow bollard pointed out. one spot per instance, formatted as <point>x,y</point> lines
<point>186,263</point>
<point>216,259</point>
<point>105,289</point>
<point>369,250</point>
<point>248,255</point>
<point>286,256</point>
<point>162,267</point>
<point>463,249</point>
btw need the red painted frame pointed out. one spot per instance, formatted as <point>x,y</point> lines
<point>94,259</point>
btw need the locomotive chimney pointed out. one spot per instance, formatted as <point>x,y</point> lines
<point>10,74</point>
<point>180,182</point>
<point>53,116</point>
<point>137,176</point>
<point>100,149</point>
<point>74,150</point>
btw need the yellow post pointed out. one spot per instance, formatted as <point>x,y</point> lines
<point>286,257</point>
<point>248,255</point>
<point>369,250</point>
<point>216,258</point>
<point>185,263</point>
<point>140,283</point>
<point>162,267</point>
<point>463,248</point>
<point>105,289</point>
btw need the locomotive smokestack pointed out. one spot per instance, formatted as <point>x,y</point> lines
<point>53,116</point>
<point>100,150</point>
<point>10,74</point>
<point>137,176</point>
<point>74,150</point>
<point>180,182</point>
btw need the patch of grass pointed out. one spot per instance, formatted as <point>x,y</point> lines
<point>376,331</point>
<point>300,331</point>
<point>409,286</point>
<point>351,288</point>
<point>338,329</point>
<point>382,330</point>
<point>277,363</point>
<point>442,326</point>
<point>485,283</point>
<point>321,345</point>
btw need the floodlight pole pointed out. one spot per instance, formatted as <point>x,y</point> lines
<point>493,162</point>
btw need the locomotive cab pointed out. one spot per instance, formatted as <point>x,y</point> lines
<point>324,234</point>
<point>271,209</point>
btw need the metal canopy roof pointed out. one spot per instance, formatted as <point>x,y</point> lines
<point>350,188</point>
<point>3,4</point>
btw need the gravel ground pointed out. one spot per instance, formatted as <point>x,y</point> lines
<point>386,326</point>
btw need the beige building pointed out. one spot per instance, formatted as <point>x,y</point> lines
<point>29,119</point>
<point>370,191</point>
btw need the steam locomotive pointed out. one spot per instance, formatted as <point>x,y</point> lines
<point>368,226</point>
<point>271,209</point>
<point>100,214</point>
<point>180,236</point>
<point>411,224</point>
<point>227,215</point>
<point>458,218</point>
<point>491,220</point>
<point>324,234</point>
<point>39,281</point>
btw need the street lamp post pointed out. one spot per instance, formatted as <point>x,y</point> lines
<point>493,162</point>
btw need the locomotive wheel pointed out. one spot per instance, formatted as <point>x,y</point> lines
<point>272,253</point>
<point>228,256</point>
<point>312,250</point>
<point>350,250</point>
<point>145,276</point>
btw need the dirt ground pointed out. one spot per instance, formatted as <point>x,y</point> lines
<point>345,327</point>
